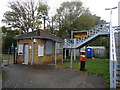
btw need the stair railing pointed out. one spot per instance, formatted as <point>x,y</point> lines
<point>98,29</point>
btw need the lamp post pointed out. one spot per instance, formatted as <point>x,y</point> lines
<point>110,15</point>
<point>112,53</point>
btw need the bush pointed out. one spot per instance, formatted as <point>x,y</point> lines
<point>7,43</point>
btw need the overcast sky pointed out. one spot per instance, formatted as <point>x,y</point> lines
<point>96,7</point>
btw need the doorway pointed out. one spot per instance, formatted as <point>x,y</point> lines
<point>26,53</point>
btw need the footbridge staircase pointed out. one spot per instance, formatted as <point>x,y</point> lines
<point>117,63</point>
<point>102,29</point>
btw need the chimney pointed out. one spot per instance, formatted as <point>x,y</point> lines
<point>38,32</point>
<point>44,22</point>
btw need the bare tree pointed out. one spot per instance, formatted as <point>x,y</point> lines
<point>25,15</point>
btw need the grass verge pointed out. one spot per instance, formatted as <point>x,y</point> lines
<point>95,66</point>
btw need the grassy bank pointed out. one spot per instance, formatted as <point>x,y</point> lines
<point>99,67</point>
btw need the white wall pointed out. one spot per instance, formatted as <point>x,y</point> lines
<point>119,13</point>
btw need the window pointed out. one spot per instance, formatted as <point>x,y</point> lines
<point>48,47</point>
<point>40,50</point>
<point>20,49</point>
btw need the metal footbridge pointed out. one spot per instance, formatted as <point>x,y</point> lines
<point>102,29</point>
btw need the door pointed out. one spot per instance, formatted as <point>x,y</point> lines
<point>26,53</point>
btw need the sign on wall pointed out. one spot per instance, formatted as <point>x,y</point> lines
<point>80,34</point>
<point>20,49</point>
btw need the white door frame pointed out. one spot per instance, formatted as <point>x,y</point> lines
<point>26,53</point>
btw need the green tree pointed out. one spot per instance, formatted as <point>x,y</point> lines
<point>66,15</point>
<point>86,21</point>
<point>24,15</point>
<point>8,39</point>
<point>102,41</point>
<point>8,32</point>
<point>73,16</point>
<point>7,43</point>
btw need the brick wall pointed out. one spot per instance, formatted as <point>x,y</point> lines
<point>39,59</point>
<point>21,57</point>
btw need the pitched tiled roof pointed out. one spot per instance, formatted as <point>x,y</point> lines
<point>43,34</point>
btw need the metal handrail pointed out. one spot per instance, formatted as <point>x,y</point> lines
<point>100,28</point>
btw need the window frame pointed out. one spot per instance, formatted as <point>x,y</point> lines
<point>58,48</point>
<point>48,47</point>
<point>20,49</point>
<point>40,50</point>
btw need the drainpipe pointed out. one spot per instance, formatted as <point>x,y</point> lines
<point>32,51</point>
<point>55,53</point>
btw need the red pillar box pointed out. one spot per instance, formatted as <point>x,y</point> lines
<point>82,60</point>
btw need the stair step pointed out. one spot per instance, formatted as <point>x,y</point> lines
<point>118,65</point>
<point>118,85</point>
<point>118,88</point>
<point>117,74</point>
<point>118,69</point>
<point>118,62</point>
<point>118,80</point>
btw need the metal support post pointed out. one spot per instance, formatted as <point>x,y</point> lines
<point>65,41</point>
<point>55,53</point>
<point>65,53</point>
<point>74,54</point>
<point>112,56</point>
<point>112,53</point>
<point>71,60</point>
<point>74,49</point>
<point>32,52</point>
<point>62,56</point>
